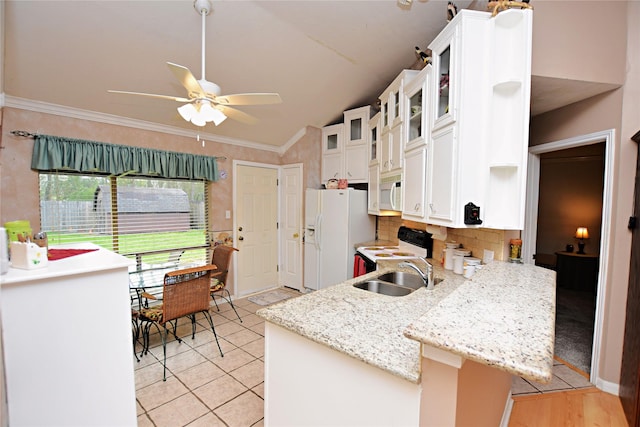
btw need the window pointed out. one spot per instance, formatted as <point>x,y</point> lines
<point>156,222</point>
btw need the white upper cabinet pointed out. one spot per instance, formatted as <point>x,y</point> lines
<point>508,134</point>
<point>460,63</point>
<point>373,202</point>
<point>417,105</point>
<point>414,184</point>
<point>332,141</point>
<point>480,119</point>
<point>392,136</point>
<point>345,148</point>
<point>332,152</point>
<point>391,100</point>
<point>374,139</point>
<point>356,126</point>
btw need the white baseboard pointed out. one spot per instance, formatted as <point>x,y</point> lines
<point>506,415</point>
<point>607,386</point>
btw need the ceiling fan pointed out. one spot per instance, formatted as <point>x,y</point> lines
<point>204,103</point>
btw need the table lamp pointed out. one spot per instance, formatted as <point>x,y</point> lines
<point>581,234</point>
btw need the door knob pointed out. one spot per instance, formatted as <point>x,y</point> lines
<point>296,235</point>
<point>239,228</point>
<point>240,238</point>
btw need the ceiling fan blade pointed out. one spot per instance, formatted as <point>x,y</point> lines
<point>238,115</point>
<point>187,80</point>
<point>152,95</point>
<point>249,99</point>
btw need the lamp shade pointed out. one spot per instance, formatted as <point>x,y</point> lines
<point>582,233</point>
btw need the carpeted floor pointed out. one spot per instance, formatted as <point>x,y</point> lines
<point>575,317</point>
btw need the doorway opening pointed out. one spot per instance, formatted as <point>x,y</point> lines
<point>570,197</point>
<point>531,231</point>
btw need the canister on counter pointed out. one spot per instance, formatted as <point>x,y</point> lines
<point>458,260</point>
<point>470,266</point>
<point>448,255</point>
<point>515,250</point>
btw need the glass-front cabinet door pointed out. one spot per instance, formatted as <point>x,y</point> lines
<point>396,108</point>
<point>442,98</point>
<point>356,125</point>
<point>332,138</point>
<point>415,115</point>
<point>374,135</point>
<point>385,114</point>
<point>416,109</point>
<point>445,83</point>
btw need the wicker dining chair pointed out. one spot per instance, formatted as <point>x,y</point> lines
<point>222,259</point>
<point>185,293</point>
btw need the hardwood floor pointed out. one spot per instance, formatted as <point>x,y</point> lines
<point>584,407</point>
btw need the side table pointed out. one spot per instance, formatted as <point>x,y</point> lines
<point>577,271</point>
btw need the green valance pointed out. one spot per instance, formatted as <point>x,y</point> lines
<point>54,153</point>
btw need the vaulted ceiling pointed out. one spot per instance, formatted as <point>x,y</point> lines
<point>322,57</point>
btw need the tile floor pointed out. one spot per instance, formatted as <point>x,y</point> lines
<point>564,378</point>
<point>204,389</point>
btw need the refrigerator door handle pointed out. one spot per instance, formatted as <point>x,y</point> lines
<point>318,230</point>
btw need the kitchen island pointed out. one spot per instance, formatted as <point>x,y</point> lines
<point>343,355</point>
<point>67,341</point>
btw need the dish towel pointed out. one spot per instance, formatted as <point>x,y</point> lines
<point>359,266</point>
<point>56,254</point>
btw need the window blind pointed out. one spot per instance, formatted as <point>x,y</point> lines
<point>156,222</point>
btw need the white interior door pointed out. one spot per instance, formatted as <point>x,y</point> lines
<point>256,227</point>
<point>291,274</point>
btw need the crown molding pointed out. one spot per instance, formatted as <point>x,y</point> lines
<point>293,140</point>
<point>76,113</point>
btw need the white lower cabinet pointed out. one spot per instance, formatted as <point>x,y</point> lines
<point>414,185</point>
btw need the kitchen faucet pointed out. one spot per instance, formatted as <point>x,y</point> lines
<point>427,277</point>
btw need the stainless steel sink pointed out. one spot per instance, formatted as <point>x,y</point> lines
<point>408,280</point>
<point>394,283</point>
<point>384,288</point>
<point>401,278</point>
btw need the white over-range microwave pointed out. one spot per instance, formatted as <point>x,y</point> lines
<point>391,193</point>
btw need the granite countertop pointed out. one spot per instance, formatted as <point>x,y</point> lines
<point>465,317</point>
<point>504,317</point>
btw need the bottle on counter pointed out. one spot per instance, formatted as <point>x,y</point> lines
<point>515,250</point>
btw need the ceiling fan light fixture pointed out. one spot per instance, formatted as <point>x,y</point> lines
<point>201,113</point>
<point>211,114</point>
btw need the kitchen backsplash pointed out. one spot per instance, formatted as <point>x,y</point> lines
<point>474,239</point>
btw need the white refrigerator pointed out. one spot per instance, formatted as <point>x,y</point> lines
<point>335,221</point>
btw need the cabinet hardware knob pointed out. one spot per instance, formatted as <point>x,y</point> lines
<point>240,238</point>
<point>239,228</point>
